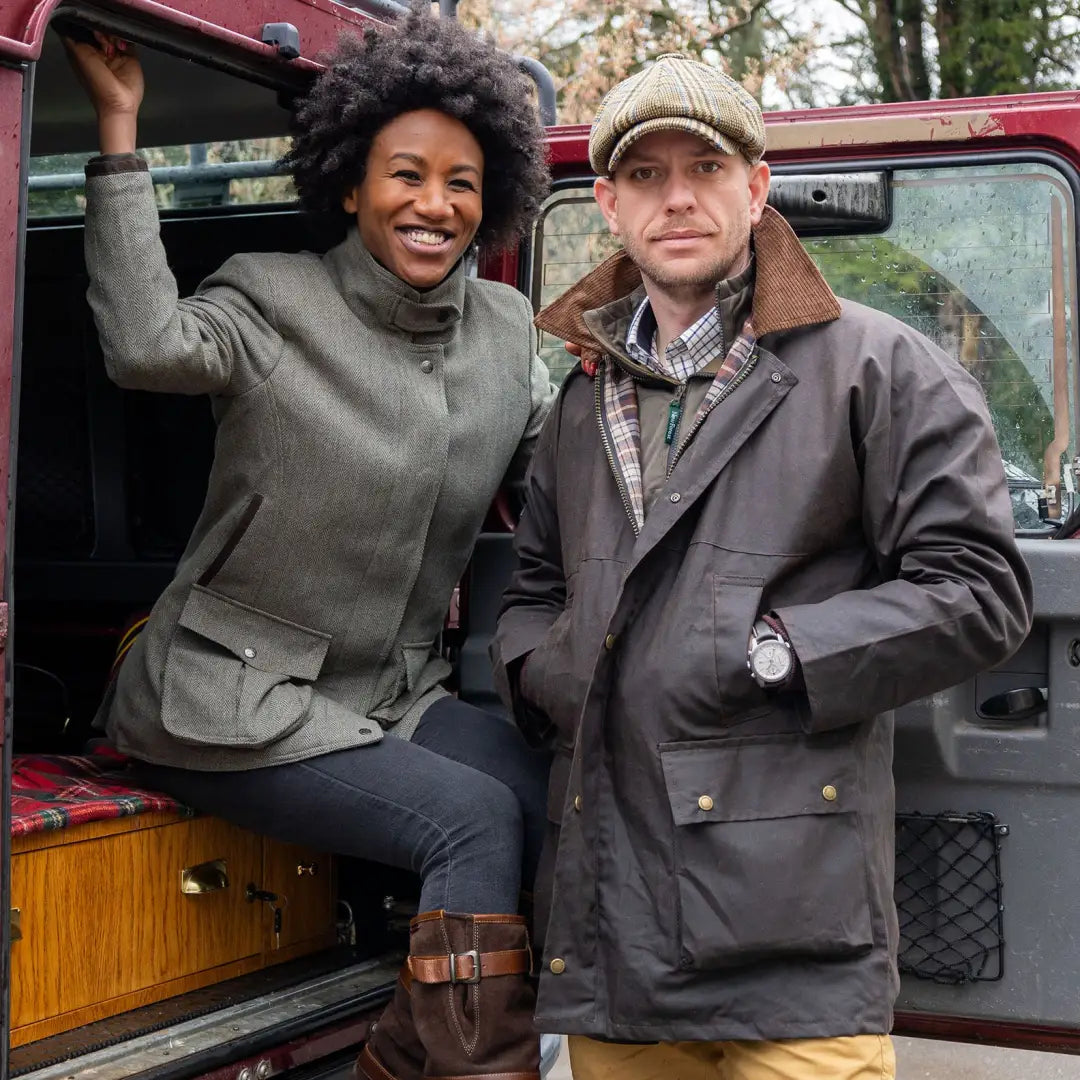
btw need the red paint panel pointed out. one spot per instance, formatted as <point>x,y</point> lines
<point>1051,121</point>
<point>238,23</point>
<point>988,1032</point>
<point>292,1055</point>
<point>500,266</point>
<point>11,89</point>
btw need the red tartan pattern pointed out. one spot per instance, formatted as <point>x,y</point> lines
<point>56,791</point>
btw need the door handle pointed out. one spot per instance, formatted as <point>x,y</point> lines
<point>1021,703</point>
<point>203,878</point>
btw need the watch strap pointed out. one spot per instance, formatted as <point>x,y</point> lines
<point>777,627</point>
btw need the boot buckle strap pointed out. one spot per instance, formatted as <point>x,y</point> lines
<point>469,967</point>
<point>474,956</point>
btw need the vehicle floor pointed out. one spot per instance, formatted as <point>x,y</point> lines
<point>198,1003</point>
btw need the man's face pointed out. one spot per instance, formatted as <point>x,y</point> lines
<point>684,210</point>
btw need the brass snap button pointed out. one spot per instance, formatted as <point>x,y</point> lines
<point>557,966</point>
<point>577,803</point>
<point>705,803</point>
<point>828,793</point>
<point>249,653</point>
<point>427,367</point>
<point>609,642</point>
<point>675,497</point>
<point>776,377</point>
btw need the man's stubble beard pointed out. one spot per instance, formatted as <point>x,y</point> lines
<point>696,282</point>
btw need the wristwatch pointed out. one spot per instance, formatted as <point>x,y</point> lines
<point>770,658</point>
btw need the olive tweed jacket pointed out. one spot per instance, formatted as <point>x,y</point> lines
<point>363,429</point>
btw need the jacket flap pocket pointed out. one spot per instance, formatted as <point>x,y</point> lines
<point>756,778</point>
<point>261,640</point>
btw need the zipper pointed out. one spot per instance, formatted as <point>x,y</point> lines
<point>615,470</point>
<point>737,380</point>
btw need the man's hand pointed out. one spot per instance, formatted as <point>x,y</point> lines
<point>113,79</point>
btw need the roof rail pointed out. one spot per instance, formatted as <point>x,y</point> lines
<point>169,174</point>
<point>394,8</point>
<point>545,87</point>
<point>390,9</point>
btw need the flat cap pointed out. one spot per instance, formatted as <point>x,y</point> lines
<point>676,94</point>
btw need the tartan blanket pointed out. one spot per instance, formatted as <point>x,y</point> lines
<point>56,791</point>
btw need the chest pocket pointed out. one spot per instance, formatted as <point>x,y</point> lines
<point>237,676</point>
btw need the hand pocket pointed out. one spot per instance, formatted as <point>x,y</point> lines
<point>768,858</point>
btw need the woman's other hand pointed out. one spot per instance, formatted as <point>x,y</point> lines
<point>113,78</point>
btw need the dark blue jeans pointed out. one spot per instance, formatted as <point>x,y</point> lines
<point>462,804</point>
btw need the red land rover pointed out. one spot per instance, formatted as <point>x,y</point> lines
<point>159,945</point>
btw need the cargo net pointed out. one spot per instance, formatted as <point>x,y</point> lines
<point>948,897</point>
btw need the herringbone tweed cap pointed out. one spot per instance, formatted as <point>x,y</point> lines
<point>680,94</point>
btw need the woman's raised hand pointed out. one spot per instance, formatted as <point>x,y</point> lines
<point>113,77</point>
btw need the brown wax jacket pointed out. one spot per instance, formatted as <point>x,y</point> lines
<point>723,856</point>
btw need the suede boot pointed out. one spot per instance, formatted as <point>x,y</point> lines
<point>393,1050</point>
<point>473,997</point>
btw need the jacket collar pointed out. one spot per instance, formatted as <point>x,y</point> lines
<point>377,296</point>
<point>789,293</point>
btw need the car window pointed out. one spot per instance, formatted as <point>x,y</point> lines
<point>235,172</point>
<point>982,260</point>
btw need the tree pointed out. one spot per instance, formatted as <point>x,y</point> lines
<point>589,45</point>
<point>916,49</point>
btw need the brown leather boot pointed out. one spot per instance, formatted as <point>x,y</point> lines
<point>393,1050</point>
<point>472,996</point>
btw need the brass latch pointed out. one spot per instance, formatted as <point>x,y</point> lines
<point>204,878</point>
<point>310,869</point>
<point>15,925</point>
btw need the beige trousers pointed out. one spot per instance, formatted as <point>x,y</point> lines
<point>859,1057</point>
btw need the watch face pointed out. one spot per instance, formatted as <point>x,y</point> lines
<point>771,661</point>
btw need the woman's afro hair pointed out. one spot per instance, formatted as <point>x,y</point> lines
<point>422,62</point>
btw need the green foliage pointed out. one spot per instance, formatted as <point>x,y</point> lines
<point>914,49</point>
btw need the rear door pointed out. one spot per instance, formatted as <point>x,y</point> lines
<point>963,225</point>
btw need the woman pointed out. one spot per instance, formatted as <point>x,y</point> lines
<point>369,403</point>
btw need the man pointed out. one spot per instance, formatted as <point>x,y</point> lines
<point>767,519</point>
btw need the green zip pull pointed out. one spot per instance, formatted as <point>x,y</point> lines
<point>674,409</point>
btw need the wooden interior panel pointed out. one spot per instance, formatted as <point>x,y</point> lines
<point>105,927</point>
<point>101,1010</point>
<point>105,916</point>
<point>35,841</point>
<point>305,881</point>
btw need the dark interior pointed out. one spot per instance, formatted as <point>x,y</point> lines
<point>184,103</point>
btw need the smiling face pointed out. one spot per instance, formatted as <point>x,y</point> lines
<point>684,210</point>
<point>419,204</point>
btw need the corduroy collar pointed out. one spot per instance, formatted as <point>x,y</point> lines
<point>378,296</point>
<point>789,291</point>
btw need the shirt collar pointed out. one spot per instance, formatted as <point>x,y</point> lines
<point>698,345</point>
